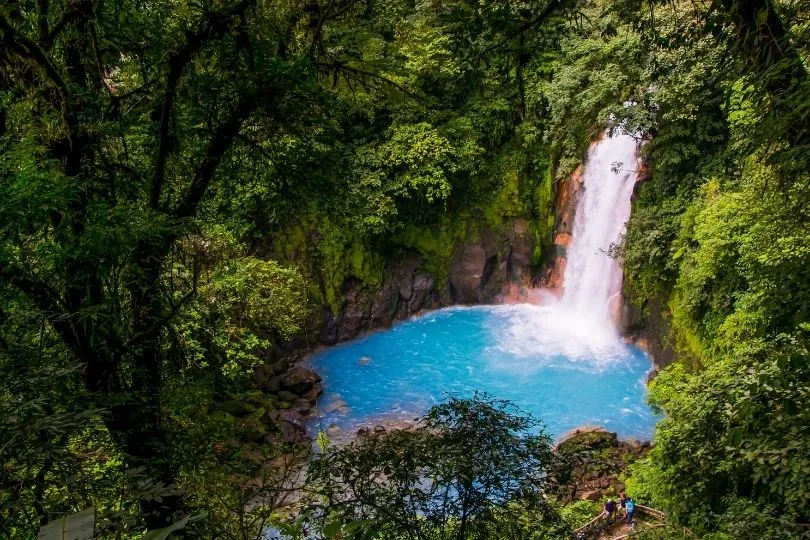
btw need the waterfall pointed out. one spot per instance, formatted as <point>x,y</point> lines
<point>592,279</point>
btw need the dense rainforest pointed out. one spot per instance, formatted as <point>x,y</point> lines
<point>194,192</point>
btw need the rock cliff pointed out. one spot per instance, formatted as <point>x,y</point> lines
<point>483,268</point>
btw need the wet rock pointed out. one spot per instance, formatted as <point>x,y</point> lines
<point>587,441</point>
<point>384,305</point>
<point>333,430</point>
<point>281,366</point>
<point>284,395</point>
<point>521,249</point>
<point>299,380</point>
<point>356,311</point>
<point>364,361</point>
<point>482,267</point>
<point>304,406</point>
<point>336,405</point>
<point>330,331</point>
<point>363,432</point>
<point>378,429</point>
<point>423,286</point>
<point>465,273</point>
<point>562,239</point>
<point>273,385</point>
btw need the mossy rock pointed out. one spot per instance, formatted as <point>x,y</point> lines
<point>587,441</point>
<point>260,400</point>
<point>252,427</point>
<point>237,407</point>
<point>222,417</point>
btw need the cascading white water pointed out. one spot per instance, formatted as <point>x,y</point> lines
<point>581,324</point>
<point>593,280</point>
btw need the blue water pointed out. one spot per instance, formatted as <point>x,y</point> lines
<point>565,372</point>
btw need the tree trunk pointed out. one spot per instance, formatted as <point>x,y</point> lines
<point>137,422</point>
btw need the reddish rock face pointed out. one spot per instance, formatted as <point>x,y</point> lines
<point>568,192</point>
<point>562,239</point>
<point>553,277</point>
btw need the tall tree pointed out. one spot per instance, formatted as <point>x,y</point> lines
<point>117,119</point>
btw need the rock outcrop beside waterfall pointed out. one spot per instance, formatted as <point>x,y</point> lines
<point>483,268</point>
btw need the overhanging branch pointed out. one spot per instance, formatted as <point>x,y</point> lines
<point>215,26</point>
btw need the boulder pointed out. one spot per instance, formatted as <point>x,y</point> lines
<point>262,374</point>
<point>363,432</point>
<point>364,361</point>
<point>379,429</point>
<point>335,405</point>
<point>237,408</point>
<point>304,406</point>
<point>587,441</point>
<point>290,423</point>
<point>273,385</point>
<point>222,416</point>
<point>281,366</point>
<point>285,395</point>
<point>252,427</point>
<point>291,434</point>
<point>262,401</point>
<point>299,380</point>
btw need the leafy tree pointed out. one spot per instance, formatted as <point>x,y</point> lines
<point>116,121</point>
<point>471,468</point>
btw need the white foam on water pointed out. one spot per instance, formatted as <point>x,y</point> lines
<point>556,335</point>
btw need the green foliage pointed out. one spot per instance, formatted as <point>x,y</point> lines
<point>738,428</point>
<point>180,184</point>
<point>579,513</point>
<point>717,234</point>
<point>470,469</point>
<point>608,62</point>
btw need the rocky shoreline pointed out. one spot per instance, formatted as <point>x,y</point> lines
<point>291,393</point>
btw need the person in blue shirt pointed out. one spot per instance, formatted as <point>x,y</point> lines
<point>631,508</point>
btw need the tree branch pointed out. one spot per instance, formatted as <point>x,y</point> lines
<point>222,140</point>
<point>543,16</point>
<point>215,25</point>
<point>31,51</point>
<point>48,301</point>
<point>361,74</point>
